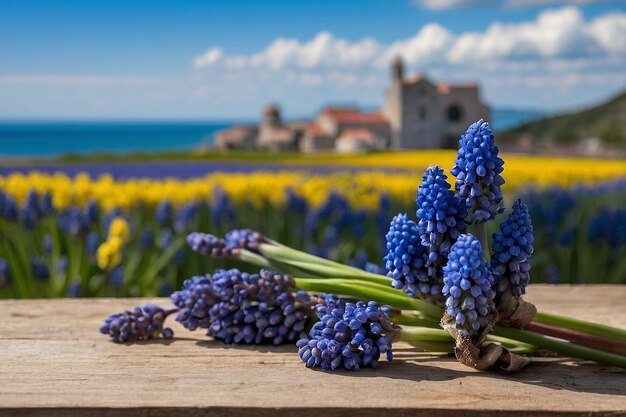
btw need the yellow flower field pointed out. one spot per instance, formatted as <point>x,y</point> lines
<point>362,188</point>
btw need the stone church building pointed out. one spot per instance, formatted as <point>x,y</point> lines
<point>417,114</point>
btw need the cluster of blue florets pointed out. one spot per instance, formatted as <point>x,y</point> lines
<point>351,335</point>
<point>238,307</point>
<point>228,247</point>
<point>608,227</point>
<point>441,217</point>
<point>35,207</point>
<point>512,248</point>
<point>407,258</point>
<point>140,323</point>
<point>468,285</point>
<point>477,169</point>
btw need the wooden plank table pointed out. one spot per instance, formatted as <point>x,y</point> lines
<point>53,362</point>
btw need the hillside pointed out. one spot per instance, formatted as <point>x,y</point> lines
<point>606,121</point>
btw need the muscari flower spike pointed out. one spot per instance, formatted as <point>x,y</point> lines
<point>468,282</point>
<point>441,217</point>
<point>209,245</point>
<point>406,259</point>
<point>512,248</point>
<point>477,169</point>
<point>140,323</point>
<point>351,335</point>
<point>238,307</point>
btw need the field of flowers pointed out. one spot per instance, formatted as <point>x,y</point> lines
<point>110,234</point>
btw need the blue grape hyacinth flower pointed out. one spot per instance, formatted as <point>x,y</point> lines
<point>238,307</point>
<point>441,217</point>
<point>477,169</point>
<point>406,259</point>
<point>140,323</point>
<point>348,335</point>
<point>468,286</point>
<point>512,249</point>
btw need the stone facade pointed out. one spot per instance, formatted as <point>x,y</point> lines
<point>423,114</point>
<point>416,114</point>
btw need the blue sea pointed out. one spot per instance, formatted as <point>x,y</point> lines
<point>48,139</point>
<point>23,139</point>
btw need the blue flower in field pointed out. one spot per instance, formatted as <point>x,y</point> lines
<point>39,269</point>
<point>361,261</point>
<point>608,226</point>
<point>62,265</point>
<point>5,273</point>
<point>238,307</point>
<point>296,203</point>
<point>140,323</point>
<point>185,218</point>
<point>47,243</point>
<point>166,237</point>
<point>407,258</point>
<point>92,242</point>
<point>348,335</point>
<point>468,282</point>
<point>30,211</point>
<point>477,169</point>
<point>92,212</point>
<point>164,213</point>
<point>222,211</point>
<point>10,211</point>
<point>73,222</point>
<point>146,239</point>
<point>116,277</point>
<point>441,217</point>
<point>512,248</point>
<point>47,205</point>
<point>551,209</point>
<point>74,289</point>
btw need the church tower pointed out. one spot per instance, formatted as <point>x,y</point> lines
<point>392,108</point>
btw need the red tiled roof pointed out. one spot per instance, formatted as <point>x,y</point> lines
<point>316,130</point>
<point>445,88</point>
<point>352,115</point>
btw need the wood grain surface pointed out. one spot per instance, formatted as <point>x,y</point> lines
<point>53,362</point>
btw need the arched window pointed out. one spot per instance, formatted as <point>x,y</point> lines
<point>455,114</point>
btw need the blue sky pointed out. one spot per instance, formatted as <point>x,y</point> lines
<point>214,59</point>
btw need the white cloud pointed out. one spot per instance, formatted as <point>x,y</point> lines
<point>210,57</point>
<point>560,34</point>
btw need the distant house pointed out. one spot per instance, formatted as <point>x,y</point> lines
<point>417,113</point>
<point>237,137</point>
<point>356,140</point>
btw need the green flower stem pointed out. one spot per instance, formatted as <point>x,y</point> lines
<point>368,291</point>
<point>565,348</point>
<point>330,272</point>
<point>411,319</point>
<point>316,264</point>
<point>415,334</point>
<point>481,235</point>
<point>581,326</point>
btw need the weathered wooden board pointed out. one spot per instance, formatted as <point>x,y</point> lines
<point>53,362</point>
